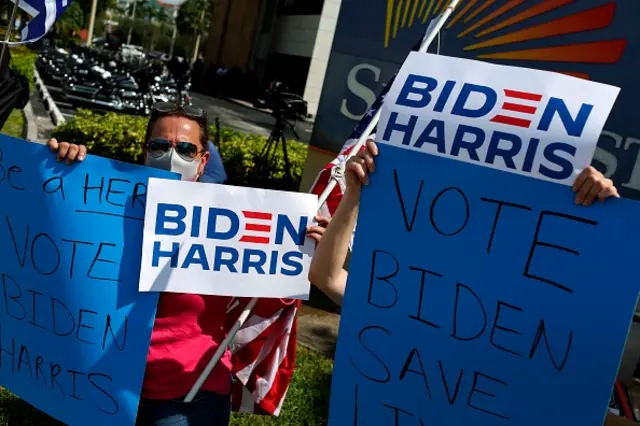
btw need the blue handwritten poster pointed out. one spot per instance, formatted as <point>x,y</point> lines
<point>74,331</point>
<point>480,297</point>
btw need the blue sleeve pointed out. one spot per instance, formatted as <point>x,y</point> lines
<point>214,170</point>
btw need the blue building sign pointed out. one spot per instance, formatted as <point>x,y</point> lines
<point>591,39</point>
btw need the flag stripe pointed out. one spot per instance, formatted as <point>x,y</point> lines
<point>43,14</point>
<point>263,355</point>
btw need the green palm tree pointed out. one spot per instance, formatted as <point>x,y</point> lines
<point>71,21</point>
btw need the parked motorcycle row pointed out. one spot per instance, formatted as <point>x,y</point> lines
<point>107,80</point>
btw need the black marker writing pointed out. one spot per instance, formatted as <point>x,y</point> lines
<point>376,277</point>
<point>54,184</point>
<point>46,256</point>
<point>497,217</point>
<point>443,383</point>
<point>451,395</point>
<point>538,243</point>
<point>475,390</point>
<point>497,326</point>
<point>40,247</point>
<point>93,187</point>
<point>423,274</point>
<point>456,312</point>
<point>407,222</point>
<point>370,330</point>
<point>406,368</point>
<point>100,259</point>
<point>11,175</point>
<point>111,191</point>
<point>49,313</point>
<point>541,335</point>
<point>432,211</point>
<point>93,387</point>
<point>396,414</point>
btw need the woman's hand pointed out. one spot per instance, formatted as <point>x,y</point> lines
<point>591,184</point>
<point>68,151</point>
<point>360,165</point>
<point>317,231</point>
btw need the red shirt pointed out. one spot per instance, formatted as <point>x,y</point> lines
<point>187,331</point>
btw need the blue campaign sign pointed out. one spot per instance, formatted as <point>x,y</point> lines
<point>588,38</point>
<point>74,331</point>
<point>481,297</point>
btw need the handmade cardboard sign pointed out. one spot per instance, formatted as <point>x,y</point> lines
<point>483,295</point>
<point>226,240</point>
<point>74,331</point>
<point>479,292</point>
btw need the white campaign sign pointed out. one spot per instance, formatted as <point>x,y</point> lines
<point>537,123</point>
<point>226,240</point>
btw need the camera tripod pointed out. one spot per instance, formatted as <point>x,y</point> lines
<point>268,160</point>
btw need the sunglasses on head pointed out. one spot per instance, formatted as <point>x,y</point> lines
<point>173,108</point>
<point>157,147</point>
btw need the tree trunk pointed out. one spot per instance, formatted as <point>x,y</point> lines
<point>197,45</point>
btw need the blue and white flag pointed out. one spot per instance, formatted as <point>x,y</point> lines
<point>43,13</point>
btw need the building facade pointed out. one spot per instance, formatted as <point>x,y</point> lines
<point>285,40</point>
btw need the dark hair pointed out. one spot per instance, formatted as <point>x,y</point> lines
<point>202,123</point>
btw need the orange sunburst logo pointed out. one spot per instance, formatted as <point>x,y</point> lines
<point>494,35</point>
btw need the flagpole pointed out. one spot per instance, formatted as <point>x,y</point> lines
<point>429,37</point>
<point>338,170</point>
<point>7,37</point>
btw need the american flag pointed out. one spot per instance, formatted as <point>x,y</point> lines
<point>324,177</point>
<point>43,13</point>
<point>264,350</point>
<point>264,354</point>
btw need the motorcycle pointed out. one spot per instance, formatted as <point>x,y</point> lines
<point>165,89</point>
<point>107,80</point>
<point>99,89</point>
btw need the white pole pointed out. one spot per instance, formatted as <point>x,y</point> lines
<point>339,169</point>
<point>221,349</point>
<point>365,135</point>
<point>7,37</point>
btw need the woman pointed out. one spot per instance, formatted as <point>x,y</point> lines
<point>188,328</point>
<point>328,269</point>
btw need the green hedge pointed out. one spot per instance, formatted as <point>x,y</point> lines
<point>120,137</point>
<point>23,61</point>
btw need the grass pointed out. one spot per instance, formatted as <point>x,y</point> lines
<point>307,402</point>
<point>14,126</point>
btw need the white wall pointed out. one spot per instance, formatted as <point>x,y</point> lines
<point>321,52</point>
<point>295,35</point>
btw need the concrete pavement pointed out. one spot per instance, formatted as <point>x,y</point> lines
<point>246,118</point>
<point>38,116</point>
<point>318,330</point>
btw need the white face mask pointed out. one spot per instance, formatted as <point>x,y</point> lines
<point>172,162</point>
